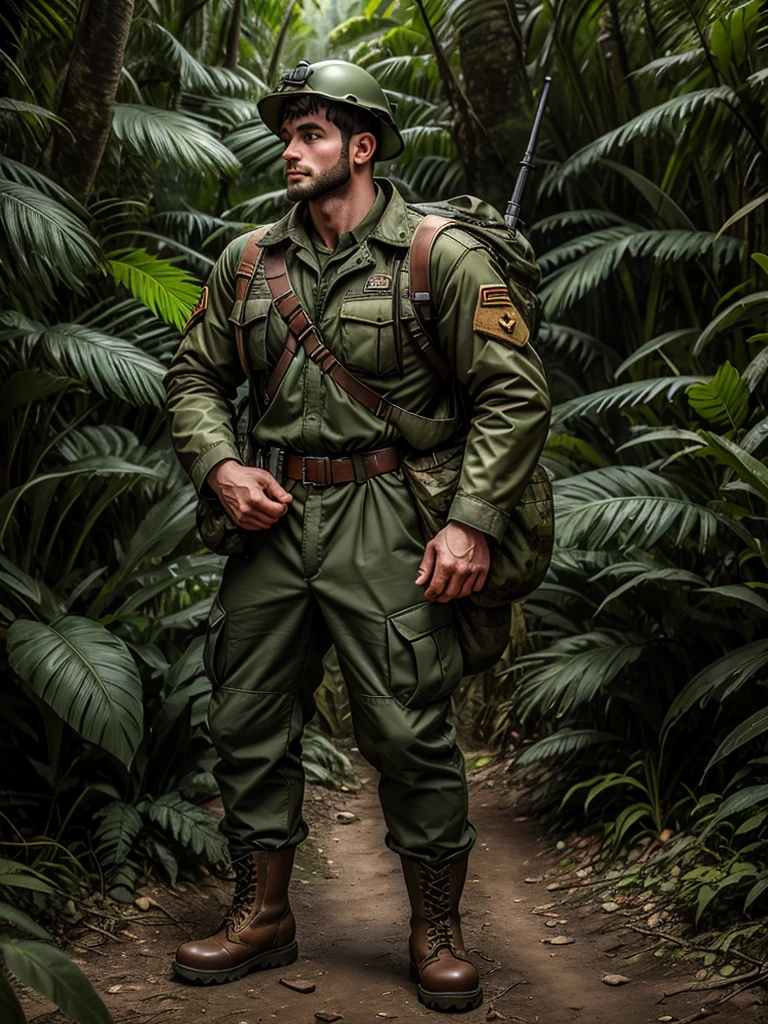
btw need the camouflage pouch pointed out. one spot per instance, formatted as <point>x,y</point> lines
<point>519,562</point>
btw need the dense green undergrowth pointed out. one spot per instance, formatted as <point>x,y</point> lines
<point>640,664</point>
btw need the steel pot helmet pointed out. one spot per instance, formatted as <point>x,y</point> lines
<point>340,82</point>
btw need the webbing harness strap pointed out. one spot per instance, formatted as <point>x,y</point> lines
<point>243,277</point>
<point>424,238</point>
<point>303,333</point>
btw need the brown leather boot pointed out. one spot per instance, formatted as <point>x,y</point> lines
<point>258,930</point>
<point>447,978</point>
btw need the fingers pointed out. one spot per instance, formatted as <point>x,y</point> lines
<point>427,564</point>
<point>275,491</point>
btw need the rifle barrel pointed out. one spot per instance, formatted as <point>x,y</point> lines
<point>514,206</point>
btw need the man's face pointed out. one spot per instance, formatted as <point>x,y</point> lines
<point>316,156</point>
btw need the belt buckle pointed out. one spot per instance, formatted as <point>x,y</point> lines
<point>327,472</point>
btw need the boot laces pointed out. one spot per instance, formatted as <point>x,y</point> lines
<point>245,894</point>
<point>435,887</point>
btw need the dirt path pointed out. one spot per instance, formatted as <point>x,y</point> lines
<point>352,913</point>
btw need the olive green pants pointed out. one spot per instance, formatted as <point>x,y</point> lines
<point>338,568</point>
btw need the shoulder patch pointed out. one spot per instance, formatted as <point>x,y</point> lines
<point>497,317</point>
<point>198,313</point>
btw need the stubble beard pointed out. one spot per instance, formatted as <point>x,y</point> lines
<point>315,187</point>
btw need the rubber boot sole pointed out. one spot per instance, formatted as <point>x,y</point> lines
<point>447,1002</point>
<point>279,957</point>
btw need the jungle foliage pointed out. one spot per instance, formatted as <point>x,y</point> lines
<point>641,675</point>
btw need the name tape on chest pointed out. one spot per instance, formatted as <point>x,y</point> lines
<point>378,283</point>
<point>496,316</point>
<point>198,313</point>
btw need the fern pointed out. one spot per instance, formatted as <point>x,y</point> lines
<point>630,505</point>
<point>193,828</point>
<point>562,743</point>
<point>573,670</point>
<point>164,288</point>
<point>111,366</point>
<point>637,392</point>
<point>48,241</point>
<point>563,289</point>
<point>116,836</point>
<point>723,400</point>
<point>171,137</point>
<point>674,111</point>
<point>718,681</point>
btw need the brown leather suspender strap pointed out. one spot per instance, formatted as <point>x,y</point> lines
<point>243,277</point>
<point>302,333</point>
<point>424,237</point>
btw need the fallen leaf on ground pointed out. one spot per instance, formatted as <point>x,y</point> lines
<point>346,817</point>
<point>328,1016</point>
<point>534,878</point>
<point>615,979</point>
<point>609,907</point>
<point>560,940</point>
<point>553,886</point>
<point>145,902</point>
<point>298,984</point>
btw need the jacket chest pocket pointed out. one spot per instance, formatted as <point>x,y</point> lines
<point>368,336</point>
<point>255,316</point>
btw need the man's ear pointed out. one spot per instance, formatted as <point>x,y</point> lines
<point>363,148</point>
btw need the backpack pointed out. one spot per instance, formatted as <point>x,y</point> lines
<point>520,561</point>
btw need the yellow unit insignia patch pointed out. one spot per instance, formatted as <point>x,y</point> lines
<point>198,313</point>
<point>497,317</point>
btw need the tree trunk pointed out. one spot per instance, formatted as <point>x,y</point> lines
<point>88,94</point>
<point>233,38</point>
<point>496,84</point>
<point>493,110</point>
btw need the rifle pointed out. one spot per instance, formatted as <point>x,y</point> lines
<point>512,214</point>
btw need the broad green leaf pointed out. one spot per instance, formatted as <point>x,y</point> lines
<point>663,205</point>
<point>169,291</point>
<point>718,680</point>
<point>86,675</point>
<point>28,386</point>
<point>736,593</point>
<point>21,920</point>
<point>742,801</point>
<point>98,465</point>
<point>723,400</point>
<point>746,466</point>
<point>51,973</point>
<point>748,730</point>
<point>744,211</point>
<point>10,1007</point>
<point>658,576</point>
<point>14,875</point>
<point>750,305</point>
<point>755,892</point>
<point>684,335</point>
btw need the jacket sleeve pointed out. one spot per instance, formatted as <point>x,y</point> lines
<point>205,372</point>
<point>505,381</point>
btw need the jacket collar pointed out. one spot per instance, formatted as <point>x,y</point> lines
<point>392,228</point>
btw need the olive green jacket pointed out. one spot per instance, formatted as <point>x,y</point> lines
<point>374,333</point>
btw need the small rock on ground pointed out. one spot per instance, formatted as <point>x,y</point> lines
<point>615,979</point>
<point>298,984</point>
<point>328,1016</point>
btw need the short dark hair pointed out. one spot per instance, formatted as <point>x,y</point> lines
<point>348,119</point>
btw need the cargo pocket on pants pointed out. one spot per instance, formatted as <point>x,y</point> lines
<point>215,646</point>
<point>424,657</point>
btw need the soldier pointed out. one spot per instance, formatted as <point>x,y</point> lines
<point>336,554</point>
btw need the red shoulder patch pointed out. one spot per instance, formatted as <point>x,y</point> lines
<point>198,313</point>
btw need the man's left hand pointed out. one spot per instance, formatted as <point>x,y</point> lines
<point>455,563</point>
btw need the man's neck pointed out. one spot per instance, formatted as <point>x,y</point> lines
<point>341,210</point>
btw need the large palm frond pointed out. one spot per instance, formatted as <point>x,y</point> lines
<point>171,137</point>
<point>111,366</point>
<point>169,291</point>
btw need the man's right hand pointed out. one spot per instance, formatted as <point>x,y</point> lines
<point>251,497</point>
